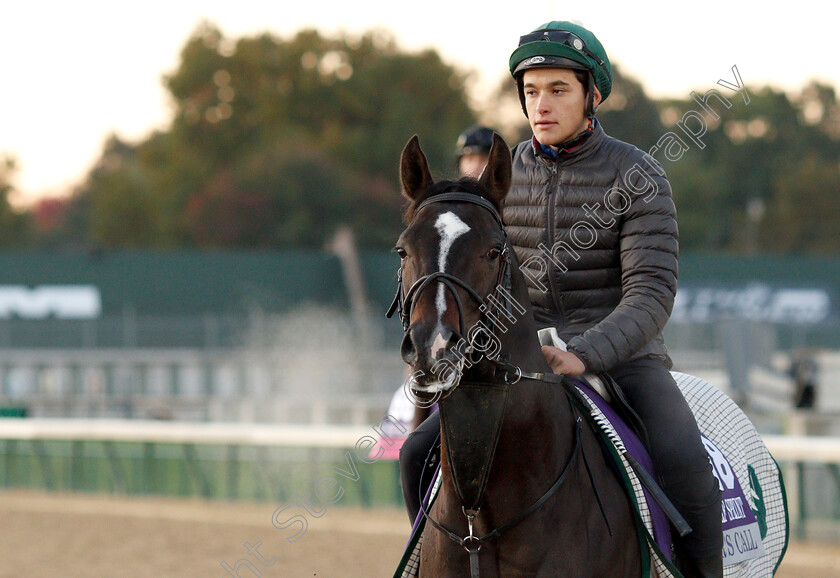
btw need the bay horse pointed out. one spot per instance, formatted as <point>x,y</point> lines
<point>524,490</point>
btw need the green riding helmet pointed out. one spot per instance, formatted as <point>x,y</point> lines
<point>561,44</point>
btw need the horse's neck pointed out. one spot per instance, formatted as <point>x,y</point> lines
<point>537,429</point>
<point>534,445</point>
<point>519,338</point>
<point>520,344</point>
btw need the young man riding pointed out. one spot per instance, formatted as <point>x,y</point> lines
<point>593,224</point>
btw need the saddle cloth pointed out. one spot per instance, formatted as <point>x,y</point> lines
<point>753,509</point>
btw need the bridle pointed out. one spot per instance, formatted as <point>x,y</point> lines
<point>499,304</point>
<point>500,301</point>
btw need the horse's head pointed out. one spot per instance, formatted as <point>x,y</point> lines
<point>454,255</point>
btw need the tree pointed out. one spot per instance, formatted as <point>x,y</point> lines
<point>277,142</point>
<point>737,193</point>
<point>803,215</point>
<point>274,143</point>
<point>14,226</point>
<point>628,114</point>
<point>124,210</point>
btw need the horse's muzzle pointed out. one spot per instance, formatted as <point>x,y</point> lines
<point>433,355</point>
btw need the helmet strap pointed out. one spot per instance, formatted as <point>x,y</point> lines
<point>576,140</point>
<point>520,90</point>
<point>590,98</point>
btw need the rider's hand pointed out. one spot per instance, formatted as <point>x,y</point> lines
<point>563,361</point>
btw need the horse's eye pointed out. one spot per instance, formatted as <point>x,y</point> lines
<point>401,252</point>
<point>494,253</point>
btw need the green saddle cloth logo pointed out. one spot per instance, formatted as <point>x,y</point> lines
<point>759,509</point>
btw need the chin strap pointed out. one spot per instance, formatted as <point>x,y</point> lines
<point>569,144</point>
<point>580,137</point>
<point>590,99</point>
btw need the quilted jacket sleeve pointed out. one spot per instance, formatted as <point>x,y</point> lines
<point>649,249</point>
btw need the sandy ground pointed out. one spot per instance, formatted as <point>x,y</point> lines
<point>64,535</point>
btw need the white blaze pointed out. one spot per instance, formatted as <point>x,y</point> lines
<point>450,227</point>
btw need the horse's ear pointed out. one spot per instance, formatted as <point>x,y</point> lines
<point>414,170</point>
<point>497,174</point>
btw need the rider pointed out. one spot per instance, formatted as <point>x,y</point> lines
<point>593,225</point>
<point>473,150</point>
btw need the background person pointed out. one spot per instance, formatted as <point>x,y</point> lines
<point>804,370</point>
<point>473,150</point>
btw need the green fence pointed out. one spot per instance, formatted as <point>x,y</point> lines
<point>230,472</point>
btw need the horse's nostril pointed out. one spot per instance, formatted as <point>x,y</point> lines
<point>407,349</point>
<point>423,345</point>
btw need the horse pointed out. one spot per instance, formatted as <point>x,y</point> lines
<point>523,488</point>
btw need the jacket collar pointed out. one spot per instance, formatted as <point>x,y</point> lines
<point>580,146</point>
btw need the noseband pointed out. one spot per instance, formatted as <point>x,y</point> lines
<point>404,304</point>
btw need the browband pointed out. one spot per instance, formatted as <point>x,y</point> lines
<point>463,197</point>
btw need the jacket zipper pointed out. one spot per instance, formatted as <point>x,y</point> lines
<point>549,205</point>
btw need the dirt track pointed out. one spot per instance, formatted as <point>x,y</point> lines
<point>60,535</point>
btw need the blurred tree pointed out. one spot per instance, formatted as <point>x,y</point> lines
<point>727,192</point>
<point>628,114</point>
<point>274,143</point>
<point>504,113</point>
<point>123,205</point>
<point>802,217</point>
<point>15,228</point>
<point>818,106</point>
<point>277,142</point>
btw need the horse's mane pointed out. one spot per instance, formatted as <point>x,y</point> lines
<point>465,184</point>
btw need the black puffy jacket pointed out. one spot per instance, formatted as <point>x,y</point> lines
<point>595,233</point>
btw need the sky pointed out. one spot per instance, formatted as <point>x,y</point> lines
<point>75,72</point>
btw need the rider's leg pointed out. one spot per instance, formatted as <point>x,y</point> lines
<point>679,457</point>
<point>413,459</point>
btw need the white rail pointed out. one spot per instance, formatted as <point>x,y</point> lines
<point>174,432</point>
<point>804,448</point>
<point>784,448</point>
